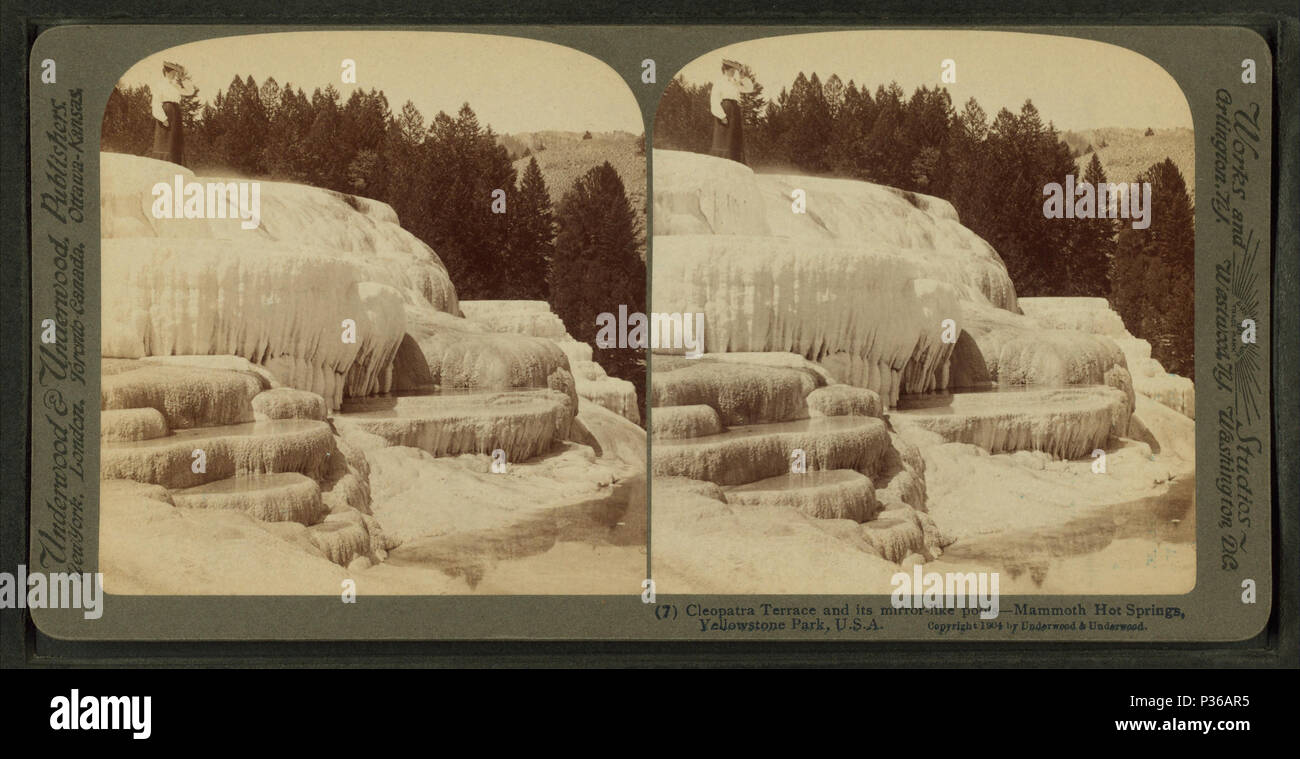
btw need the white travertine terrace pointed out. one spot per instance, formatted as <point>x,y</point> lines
<point>825,349</point>
<point>534,317</point>
<point>1094,316</point>
<point>228,342</point>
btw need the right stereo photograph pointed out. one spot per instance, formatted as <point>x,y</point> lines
<point>922,298</point>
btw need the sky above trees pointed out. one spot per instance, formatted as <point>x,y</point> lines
<point>1083,84</point>
<point>516,85</point>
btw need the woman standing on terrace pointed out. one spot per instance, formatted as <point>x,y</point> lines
<point>728,121</point>
<point>170,88</point>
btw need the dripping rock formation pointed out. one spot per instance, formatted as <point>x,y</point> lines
<point>250,447</point>
<point>874,395</point>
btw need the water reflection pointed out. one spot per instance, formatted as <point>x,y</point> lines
<point>1169,518</point>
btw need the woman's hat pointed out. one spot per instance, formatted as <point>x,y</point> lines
<point>727,63</point>
<point>168,66</point>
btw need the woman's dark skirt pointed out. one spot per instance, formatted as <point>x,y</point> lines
<point>168,142</point>
<point>728,138</point>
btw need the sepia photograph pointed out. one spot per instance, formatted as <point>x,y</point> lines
<point>350,288</point>
<point>434,337</point>
<point>944,283</point>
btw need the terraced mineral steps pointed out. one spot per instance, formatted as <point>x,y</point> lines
<point>524,423</point>
<point>867,279</point>
<point>340,539</point>
<point>288,403</point>
<point>284,445</point>
<point>276,298</point>
<point>131,424</point>
<point>186,396</point>
<point>460,357</point>
<point>897,533</point>
<point>677,422</point>
<point>280,497</point>
<point>844,400</point>
<point>524,317</point>
<point>832,494</point>
<point>1069,423</point>
<point>741,393</point>
<point>1094,315</point>
<point>535,318</point>
<point>749,453</point>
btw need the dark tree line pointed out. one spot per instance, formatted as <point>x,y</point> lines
<point>993,171</point>
<point>1153,272</point>
<point>439,177</point>
<point>604,267</point>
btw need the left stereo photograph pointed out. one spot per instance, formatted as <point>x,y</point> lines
<point>350,291</point>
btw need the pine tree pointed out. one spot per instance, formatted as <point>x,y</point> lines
<point>927,122</point>
<point>1059,265</point>
<point>808,142</point>
<point>751,103</point>
<point>532,239</point>
<point>683,120</point>
<point>363,125</point>
<point>1154,272</point>
<point>411,124</point>
<point>270,97</point>
<point>128,121</point>
<point>770,142</point>
<point>597,267</point>
<point>284,155</point>
<point>845,154</point>
<point>321,148</point>
<point>833,91</point>
<point>968,155</point>
<point>1089,272</point>
<point>886,162</point>
<point>1021,156</point>
<point>466,166</point>
<point>247,128</point>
